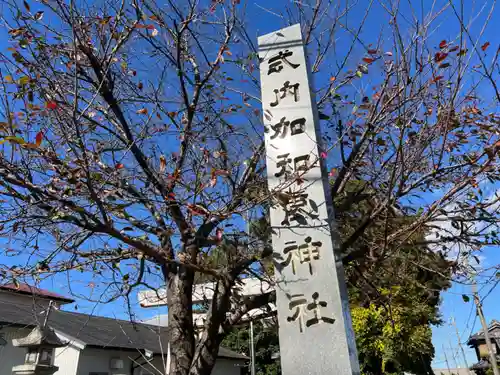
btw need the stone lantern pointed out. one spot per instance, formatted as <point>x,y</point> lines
<point>40,345</point>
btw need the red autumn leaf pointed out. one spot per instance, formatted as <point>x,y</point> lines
<point>197,210</point>
<point>443,44</point>
<point>485,46</point>
<point>220,172</point>
<point>139,26</point>
<point>119,166</point>
<point>440,56</point>
<point>39,138</point>
<point>171,196</point>
<point>444,65</point>
<point>323,155</point>
<point>218,234</point>
<point>150,27</point>
<point>368,60</point>
<point>438,78</point>
<point>51,104</point>
<point>372,51</point>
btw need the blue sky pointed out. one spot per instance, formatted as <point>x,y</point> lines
<point>264,19</point>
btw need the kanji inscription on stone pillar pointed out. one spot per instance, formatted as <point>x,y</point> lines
<point>315,329</point>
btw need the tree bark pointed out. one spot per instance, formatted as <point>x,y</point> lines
<point>180,318</point>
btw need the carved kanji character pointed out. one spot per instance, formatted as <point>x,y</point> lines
<point>301,308</point>
<point>284,164</point>
<point>304,253</point>
<point>285,90</point>
<point>276,62</point>
<point>297,126</point>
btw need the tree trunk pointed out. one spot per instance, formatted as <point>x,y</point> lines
<point>180,319</point>
<point>207,349</point>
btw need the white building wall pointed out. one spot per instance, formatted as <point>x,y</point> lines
<point>66,359</point>
<point>98,360</point>
<point>222,367</point>
<point>10,355</point>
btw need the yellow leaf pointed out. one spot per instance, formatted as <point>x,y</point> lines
<point>17,140</point>
<point>8,79</point>
<point>24,80</point>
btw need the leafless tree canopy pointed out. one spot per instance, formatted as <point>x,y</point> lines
<point>132,140</point>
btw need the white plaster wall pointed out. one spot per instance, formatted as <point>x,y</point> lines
<point>10,355</point>
<point>222,367</point>
<point>98,360</point>
<point>66,359</point>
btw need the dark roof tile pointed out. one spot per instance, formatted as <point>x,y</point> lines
<point>97,331</point>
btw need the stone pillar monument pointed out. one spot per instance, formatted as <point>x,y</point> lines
<point>315,329</point>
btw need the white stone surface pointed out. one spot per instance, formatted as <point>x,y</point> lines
<point>316,335</point>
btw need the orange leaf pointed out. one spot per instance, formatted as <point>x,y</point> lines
<point>150,27</point>
<point>119,166</point>
<point>332,79</point>
<point>213,181</point>
<point>139,26</point>
<point>163,163</point>
<point>39,138</point>
<point>220,172</point>
<point>142,111</point>
<point>438,78</point>
<point>229,53</point>
<point>485,46</point>
<point>443,44</point>
<point>368,60</point>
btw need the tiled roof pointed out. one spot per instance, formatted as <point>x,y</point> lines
<point>41,293</point>
<point>493,329</point>
<point>97,331</point>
